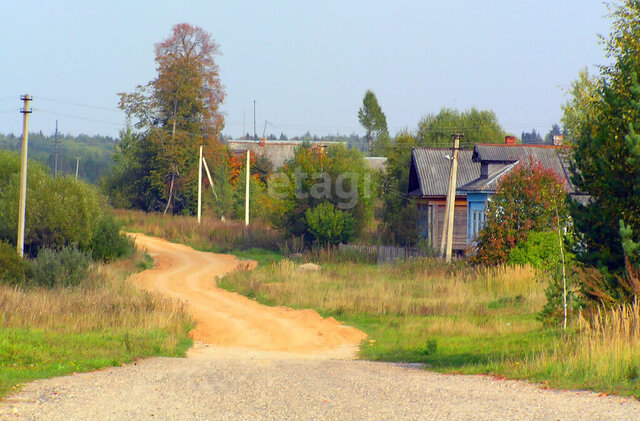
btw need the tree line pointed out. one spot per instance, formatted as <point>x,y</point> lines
<point>95,153</point>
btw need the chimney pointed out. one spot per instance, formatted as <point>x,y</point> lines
<point>510,140</point>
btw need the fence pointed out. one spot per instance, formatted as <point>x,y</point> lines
<point>386,254</point>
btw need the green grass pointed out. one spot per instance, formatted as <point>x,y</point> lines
<point>105,321</point>
<point>262,256</point>
<point>29,354</point>
<point>455,319</point>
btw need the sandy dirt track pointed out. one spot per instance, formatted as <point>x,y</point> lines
<point>231,321</point>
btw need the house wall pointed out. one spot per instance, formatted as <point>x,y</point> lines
<point>431,219</point>
<point>477,204</point>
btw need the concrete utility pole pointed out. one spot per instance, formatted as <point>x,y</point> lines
<point>446,246</point>
<point>22,208</point>
<point>246,192</point>
<point>200,185</point>
<point>77,165</point>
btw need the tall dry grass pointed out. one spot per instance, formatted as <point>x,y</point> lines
<point>105,302</point>
<point>210,234</point>
<point>415,288</point>
<point>603,353</point>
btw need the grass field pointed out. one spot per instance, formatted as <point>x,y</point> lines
<point>458,319</point>
<point>105,322</point>
<point>455,318</point>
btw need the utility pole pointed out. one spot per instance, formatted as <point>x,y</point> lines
<point>244,117</point>
<point>55,153</point>
<point>22,208</point>
<point>246,191</point>
<point>255,133</point>
<point>446,245</point>
<point>77,165</point>
<point>200,185</point>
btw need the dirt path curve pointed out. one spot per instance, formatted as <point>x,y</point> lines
<point>231,321</point>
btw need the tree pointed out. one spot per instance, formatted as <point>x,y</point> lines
<point>434,130</point>
<point>527,199</point>
<point>176,112</point>
<point>532,138</point>
<point>603,115</point>
<point>373,120</point>
<point>555,130</point>
<point>329,225</point>
<point>335,175</point>
<point>397,207</point>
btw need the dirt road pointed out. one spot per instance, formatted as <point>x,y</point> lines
<point>228,320</point>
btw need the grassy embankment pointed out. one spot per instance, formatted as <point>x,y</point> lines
<point>104,322</point>
<point>455,318</point>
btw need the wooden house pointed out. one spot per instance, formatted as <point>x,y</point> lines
<point>479,172</point>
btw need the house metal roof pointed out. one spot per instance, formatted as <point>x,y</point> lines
<point>429,172</point>
<point>276,151</point>
<point>551,157</point>
<point>430,168</point>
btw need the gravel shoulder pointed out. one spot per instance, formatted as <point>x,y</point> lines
<point>266,386</point>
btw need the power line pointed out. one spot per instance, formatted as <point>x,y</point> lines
<point>77,117</point>
<point>95,107</point>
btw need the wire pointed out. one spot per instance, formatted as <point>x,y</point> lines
<point>95,107</point>
<point>77,117</point>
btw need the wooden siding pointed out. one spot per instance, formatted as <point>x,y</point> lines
<point>431,220</point>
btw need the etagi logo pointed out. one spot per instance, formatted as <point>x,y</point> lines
<point>344,188</point>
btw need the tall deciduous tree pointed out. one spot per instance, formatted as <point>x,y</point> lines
<point>604,116</point>
<point>176,112</point>
<point>373,120</point>
<point>434,130</point>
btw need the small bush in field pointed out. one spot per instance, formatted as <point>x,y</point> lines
<point>60,268</point>
<point>107,243</point>
<point>329,225</point>
<point>12,267</point>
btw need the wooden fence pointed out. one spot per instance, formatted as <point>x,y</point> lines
<point>385,254</point>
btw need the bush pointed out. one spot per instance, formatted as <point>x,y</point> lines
<point>107,243</point>
<point>541,250</point>
<point>529,198</point>
<point>329,225</point>
<point>60,212</point>
<point>60,268</point>
<point>12,267</point>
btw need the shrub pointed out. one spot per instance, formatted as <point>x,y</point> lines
<point>329,225</point>
<point>60,268</point>
<point>12,267</point>
<point>60,212</point>
<point>541,250</point>
<point>528,199</point>
<point>107,243</point>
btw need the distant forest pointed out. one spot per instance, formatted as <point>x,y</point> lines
<point>95,152</point>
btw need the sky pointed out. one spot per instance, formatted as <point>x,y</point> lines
<point>307,64</point>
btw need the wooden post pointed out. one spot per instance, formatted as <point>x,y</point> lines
<point>200,185</point>
<point>246,205</point>
<point>446,247</point>
<point>22,207</point>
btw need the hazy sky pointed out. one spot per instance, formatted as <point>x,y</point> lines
<point>306,63</point>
